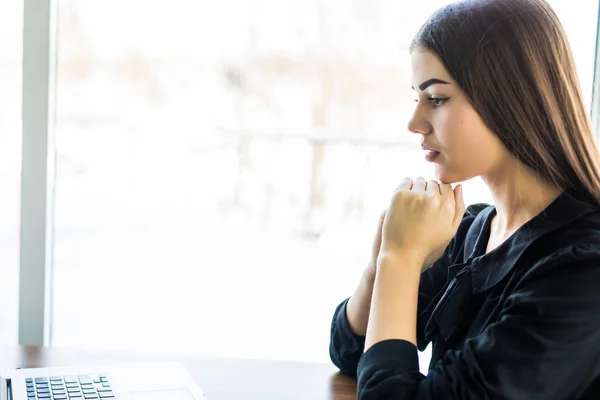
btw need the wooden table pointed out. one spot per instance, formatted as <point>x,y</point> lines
<point>220,378</point>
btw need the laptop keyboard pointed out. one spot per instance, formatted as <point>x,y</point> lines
<point>80,387</point>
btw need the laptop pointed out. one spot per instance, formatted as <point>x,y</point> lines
<point>166,380</point>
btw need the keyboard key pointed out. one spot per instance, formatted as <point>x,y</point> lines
<point>82,387</point>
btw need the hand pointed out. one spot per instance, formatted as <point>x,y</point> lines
<point>376,244</point>
<point>422,218</point>
<point>372,267</point>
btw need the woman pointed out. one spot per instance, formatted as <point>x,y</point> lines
<point>509,294</point>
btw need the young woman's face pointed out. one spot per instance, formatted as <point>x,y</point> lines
<point>463,146</point>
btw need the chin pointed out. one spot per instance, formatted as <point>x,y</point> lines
<point>447,175</point>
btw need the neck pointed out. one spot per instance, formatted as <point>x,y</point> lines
<point>519,195</point>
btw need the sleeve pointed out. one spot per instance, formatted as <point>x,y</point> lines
<point>544,345</point>
<point>346,347</point>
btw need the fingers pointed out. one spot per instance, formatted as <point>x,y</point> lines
<point>419,185</point>
<point>433,187</point>
<point>446,190</point>
<point>459,205</point>
<point>382,217</point>
<point>429,186</point>
<point>406,184</point>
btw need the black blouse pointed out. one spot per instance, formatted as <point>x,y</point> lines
<point>520,322</point>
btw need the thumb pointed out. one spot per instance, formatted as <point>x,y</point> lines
<point>459,206</point>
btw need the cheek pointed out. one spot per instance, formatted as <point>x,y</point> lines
<point>464,133</point>
<point>470,147</point>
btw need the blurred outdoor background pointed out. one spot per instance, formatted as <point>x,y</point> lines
<point>220,165</point>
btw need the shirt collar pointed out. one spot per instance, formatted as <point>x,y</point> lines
<point>489,269</point>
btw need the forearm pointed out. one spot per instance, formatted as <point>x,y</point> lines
<point>393,312</point>
<point>357,308</point>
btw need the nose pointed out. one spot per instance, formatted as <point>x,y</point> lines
<point>418,123</point>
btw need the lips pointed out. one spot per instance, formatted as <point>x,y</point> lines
<point>427,148</point>
<point>430,154</point>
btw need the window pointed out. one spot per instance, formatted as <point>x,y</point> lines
<point>221,166</point>
<point>10,164</point>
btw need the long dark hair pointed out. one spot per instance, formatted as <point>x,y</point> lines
<point>513,61</point>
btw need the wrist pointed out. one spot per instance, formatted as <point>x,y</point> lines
<point>407,258</point>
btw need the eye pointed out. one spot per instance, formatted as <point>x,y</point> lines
<point>436,102</point>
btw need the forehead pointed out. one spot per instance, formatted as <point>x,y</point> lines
<point>426,65</point>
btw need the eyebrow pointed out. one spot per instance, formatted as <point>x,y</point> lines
<point>430,82</point>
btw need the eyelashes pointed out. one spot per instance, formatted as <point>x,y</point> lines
<point>436,101</point>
